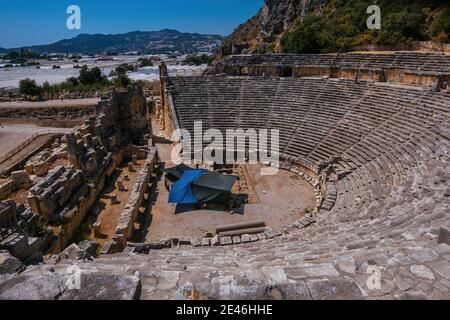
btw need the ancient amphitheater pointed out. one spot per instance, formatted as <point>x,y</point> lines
<point>367,133</point>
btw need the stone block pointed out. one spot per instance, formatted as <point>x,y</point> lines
<point>236,240</point>
<point>121,186</point>
<point>270,233</point>
<point>74,252</point>
<point>33,203</point>
<point>10,264</point>
<point>422,254</point>
<point>6,189</point>
<point>41,168</point>
<point>245,238</point>
<point>317,270</point>
<point>29,168</point>
<point>442,268</point>
<point>120,241</point>
<point>97,230</point>
<point>444,236</point>
<point>334,289</point>
<point>225,241</point>
<point>90,247</point>
<point>215,241</point>
<point>53,259</point>
<point>114,199</point>
<point>108,248</point>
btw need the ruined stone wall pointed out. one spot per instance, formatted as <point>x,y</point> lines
<point>6,189</point>
<point>62,113</point>
<point>362,74</point>
<point>17,225</point>
<point>38,160</point>
<point>414,78</point>
<point>411,68</point>
<point>49,197</point>
<point>310,71</point>
<point>64,197</point>
<point>39,163</point>
<point>87,152</point>
<point>165,112</point>
<point>125,227</point>
<point>273,71</point>
<point>18,180</point>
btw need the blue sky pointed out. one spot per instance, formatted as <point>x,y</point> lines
<point>34,22</point>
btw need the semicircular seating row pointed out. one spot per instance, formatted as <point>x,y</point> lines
<point>421,62</point>
<point>394,141</point>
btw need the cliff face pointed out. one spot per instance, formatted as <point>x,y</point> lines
<point>264,31</point>
<point>323,26</point>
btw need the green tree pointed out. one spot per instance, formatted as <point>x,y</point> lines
<point>12,55</point>
<point>122,80</point>
<point>440,29</point>
<point>341,25</point>
<point>90,77</point>
<point>46,87</point>
<point>306,38</point>
<point>85,75</point>
<point>145,62</point>
<point>29,87</point>
<point>124,68</point>
<point>401,27</point>
<point>198,59</point>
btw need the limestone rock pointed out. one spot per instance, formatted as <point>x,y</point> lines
<point>338,289</point>
<point>74,252</point>
<point>45,287</point>
<point>105,287</point>
<point>90,247</point>
<point>422,272</point>
<point>10,264</point>
<point>52,286</point>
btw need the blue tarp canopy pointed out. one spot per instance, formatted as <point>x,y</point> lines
<point>174,174</point>
<point>202,186</point>
<point>181,191</point>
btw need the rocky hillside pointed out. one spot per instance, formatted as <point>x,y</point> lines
<point>318,26</point>
<point>154,42</point>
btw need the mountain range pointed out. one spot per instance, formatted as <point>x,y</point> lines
<point>151,42</point>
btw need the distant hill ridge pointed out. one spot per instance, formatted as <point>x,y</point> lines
<point>151,42</point>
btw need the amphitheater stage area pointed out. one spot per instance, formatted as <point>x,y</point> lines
<point>279,200</point>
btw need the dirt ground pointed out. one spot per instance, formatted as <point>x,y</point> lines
<point>109,214</point>
<point>50,103</point>
<point>12,134</point>
<point>279,200</point>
